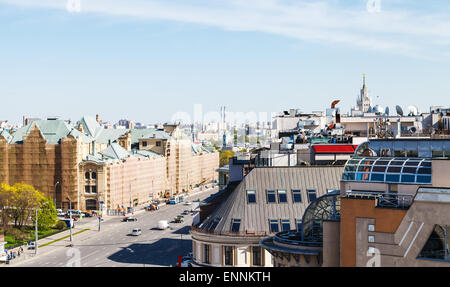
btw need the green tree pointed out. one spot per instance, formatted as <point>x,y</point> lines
<point>47,214</point>
<point>24,201</point>
<point>225,156</point>
<point>6,195</point>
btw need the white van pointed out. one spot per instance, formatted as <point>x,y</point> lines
<point>163,224</point>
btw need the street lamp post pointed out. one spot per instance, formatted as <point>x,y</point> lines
<point>36,234</point>
<point>70,216</point>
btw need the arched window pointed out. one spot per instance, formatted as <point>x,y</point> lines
<point>86,175</point>
<point>94,175</point>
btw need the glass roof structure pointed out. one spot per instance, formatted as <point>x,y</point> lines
<point>388,170</point>
<point>325,208</point>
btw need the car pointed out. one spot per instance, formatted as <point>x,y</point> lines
<point>186,212</point>
<point>163,224</point>
<point>179,219</point>
<point>188,203</point>
<point>86,214</point>
<point>197,200</point>
<point>129,218</point>
<point>187,263</point>
<point>136,232</point>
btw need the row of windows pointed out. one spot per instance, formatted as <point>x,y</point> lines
<point>275,225</point>
<point>158,143</point>
<point>228,255</point>
<point>284,223</point>
<point>280,196</point>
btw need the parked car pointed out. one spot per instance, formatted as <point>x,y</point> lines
<point>187,263</point>
<point>163,224</point>
<point>136,232</point>
<point>86,214</point>
<point>186,212</point>
<point>60,213</point>
<point>179,219</point>
<point>188,203</point>
<point>129,218</point>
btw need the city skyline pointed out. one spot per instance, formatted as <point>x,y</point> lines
<point>149,60</point>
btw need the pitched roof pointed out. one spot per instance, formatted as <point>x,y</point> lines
<point>52,130</point>
<point>255,217</point>
<point>115,151</point>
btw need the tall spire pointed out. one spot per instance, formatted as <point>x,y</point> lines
<point>364,80</point>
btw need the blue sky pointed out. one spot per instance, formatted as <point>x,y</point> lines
<point>147,59</point>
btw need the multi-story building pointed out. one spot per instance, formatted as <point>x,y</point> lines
<point>393,209</point>
<point>89,167</point>
<point>268,200</point>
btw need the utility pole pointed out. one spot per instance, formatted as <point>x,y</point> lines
<point>36,234</point>
<point>70,218</point>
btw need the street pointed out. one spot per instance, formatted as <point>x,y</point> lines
<point>114,246</point>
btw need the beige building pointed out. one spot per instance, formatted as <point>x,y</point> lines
<point>267,201</point>
<point>84,165</point>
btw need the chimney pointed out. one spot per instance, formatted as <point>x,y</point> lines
<point>97,118</point>
<point>25,120</point>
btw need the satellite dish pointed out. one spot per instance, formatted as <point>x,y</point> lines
<point>387,111</point>
<point>413,111</point>
<point>378,109</point>
<point>399,110</point>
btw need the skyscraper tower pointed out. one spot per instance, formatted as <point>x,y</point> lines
<point>364,102</point>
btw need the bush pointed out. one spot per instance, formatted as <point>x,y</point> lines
<point>60,225</point>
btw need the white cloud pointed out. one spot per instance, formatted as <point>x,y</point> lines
<point>407,33</point>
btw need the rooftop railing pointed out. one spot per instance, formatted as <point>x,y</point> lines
<point>384,200</point>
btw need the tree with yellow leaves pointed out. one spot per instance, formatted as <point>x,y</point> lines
<point>25,199</point>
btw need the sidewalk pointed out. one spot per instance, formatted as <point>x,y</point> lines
<point>63,238</point>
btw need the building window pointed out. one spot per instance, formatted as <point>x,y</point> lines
<point>93,189</point>
<point>158,143</point>
<point>437,245</point>
<point>206,254</point>
<point>87,175</point>
<point>251,196</point>
<point>94,175</point>
<point>271,198</point>
<point>298,224</point>
<point>274,225</point>
<point>296,196</point>
<point>144,143</point>
<point>282,196</point>
<point>256,256</point>
<point>371,239</point>
<point>285,224</point>
<point>371,227</point>
<point>235,224</point>
<point>228,255</point>
<point>311,195</point>
<point>87,189</point>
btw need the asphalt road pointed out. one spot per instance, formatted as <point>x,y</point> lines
<point>113,246</point>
